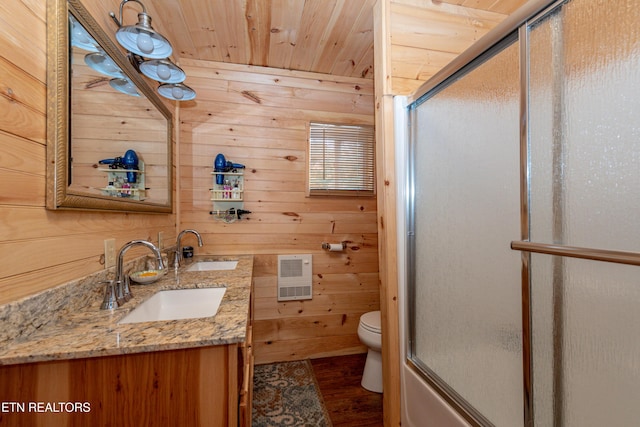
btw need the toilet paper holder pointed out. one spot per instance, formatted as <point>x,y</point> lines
<point>334,247</point>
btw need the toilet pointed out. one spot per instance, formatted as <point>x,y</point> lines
<point>369,332</point>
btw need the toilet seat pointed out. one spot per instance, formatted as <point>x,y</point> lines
<point>371,322</point>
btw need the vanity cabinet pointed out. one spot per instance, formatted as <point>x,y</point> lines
<point>89,370</point>
<point>185,387</point>
<point>245,373</point>
<point>208,386</point>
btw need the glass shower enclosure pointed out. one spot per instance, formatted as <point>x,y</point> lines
<point>523,237</point>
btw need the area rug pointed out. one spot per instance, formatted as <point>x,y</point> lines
<point>286,394</point>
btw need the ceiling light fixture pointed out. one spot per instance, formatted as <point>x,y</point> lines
<point>149,53</point>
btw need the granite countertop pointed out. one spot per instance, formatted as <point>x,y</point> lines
<point>87,331</point>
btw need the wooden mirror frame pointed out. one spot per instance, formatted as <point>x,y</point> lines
<point>59,194</point>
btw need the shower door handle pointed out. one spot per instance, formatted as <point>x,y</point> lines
<point>620,257</point>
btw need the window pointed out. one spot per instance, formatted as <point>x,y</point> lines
<point>341,160</point>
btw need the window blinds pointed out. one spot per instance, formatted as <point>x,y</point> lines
<point>341,159</point>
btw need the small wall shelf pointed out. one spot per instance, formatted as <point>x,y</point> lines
<point>235,190</point>
<point>229,194</point>
<point>117,183</point>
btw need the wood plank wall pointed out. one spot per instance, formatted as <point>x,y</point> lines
<point>427,34</point>
<point>259,117</point>
<point>40,249</point>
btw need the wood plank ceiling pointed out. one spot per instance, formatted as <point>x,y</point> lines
<point>323,36</point>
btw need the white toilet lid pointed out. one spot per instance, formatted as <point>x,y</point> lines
<point>371,321</point>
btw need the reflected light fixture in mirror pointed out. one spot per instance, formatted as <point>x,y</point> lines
<point>99,60</point>
<point>149,53</point>
<point>102,63</point>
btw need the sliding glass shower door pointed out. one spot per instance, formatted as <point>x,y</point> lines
<point>523,232</point>
<point>466,180</point>
<point>584,127</point>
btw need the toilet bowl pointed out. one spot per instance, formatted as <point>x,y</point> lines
<point>369,332</point>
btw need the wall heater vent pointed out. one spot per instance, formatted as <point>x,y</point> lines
<point>294,277</point>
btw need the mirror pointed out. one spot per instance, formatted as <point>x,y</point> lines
<point>109,143</point>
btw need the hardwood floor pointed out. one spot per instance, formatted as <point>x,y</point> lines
<point>349,404</point>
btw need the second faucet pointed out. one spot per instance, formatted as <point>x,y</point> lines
<point>178,256</point>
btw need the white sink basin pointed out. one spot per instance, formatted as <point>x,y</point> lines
<point>213,265</point>
<point>177,304</point>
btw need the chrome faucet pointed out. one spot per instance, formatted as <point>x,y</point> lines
<point>178,256</point>
<point>118,292</point>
